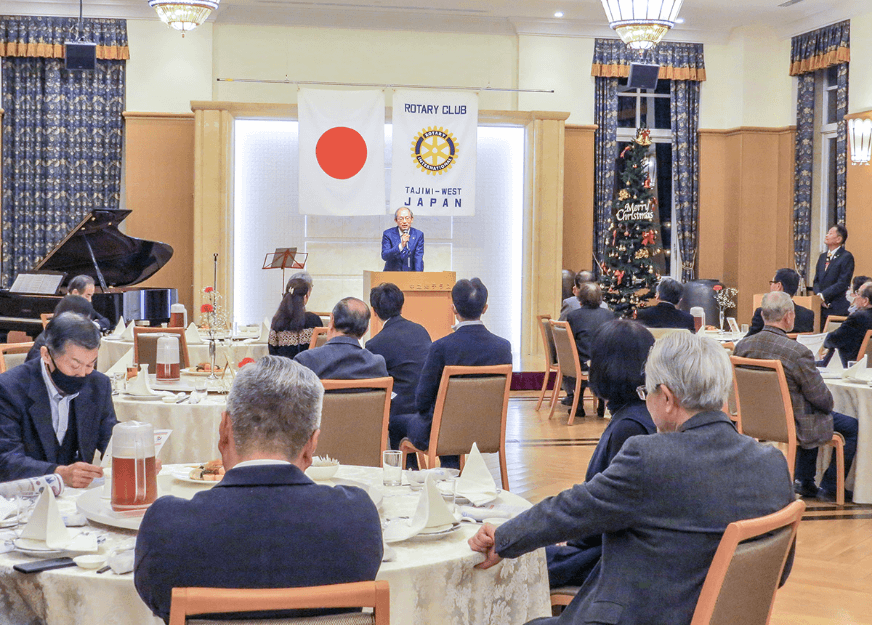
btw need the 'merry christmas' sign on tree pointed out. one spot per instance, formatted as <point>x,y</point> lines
<point>629,271</point>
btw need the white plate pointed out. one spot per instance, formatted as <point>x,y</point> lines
<point>463,501</point>
<point>142,397</point>
<point>184,475</point>
<point>95,508</point>
<point>193,371</point>
<point>431,535</point>
<point>36,548</point>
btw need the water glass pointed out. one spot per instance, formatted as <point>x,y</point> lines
<point>744,328</point>
<point>447,487</point>
<point>119,382</point>
<point>392,468</point>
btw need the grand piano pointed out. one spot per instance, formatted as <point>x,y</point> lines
<point>95,247</point>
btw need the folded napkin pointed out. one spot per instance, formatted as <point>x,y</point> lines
<point>122,363</point>
<point>192,335</point>
<point>264,331</point>
<point>127,335</point>
<point>814,342</point>
<point>139,385</point>
<point>47,527</point>
<point>32,486</point>
<point>476,482</point>
<point>835,363</point>
<point>857,371</point>
<point>432,514</point>
<point>119,328</point>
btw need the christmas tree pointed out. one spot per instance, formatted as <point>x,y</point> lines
<point>629,271</point>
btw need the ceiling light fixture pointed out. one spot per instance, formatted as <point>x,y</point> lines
<point>558,14</point>
<point>183,15</point>
<point>641,24</point>
<point>860,137</point>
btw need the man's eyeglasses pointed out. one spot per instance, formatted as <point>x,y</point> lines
<point>643,393</point>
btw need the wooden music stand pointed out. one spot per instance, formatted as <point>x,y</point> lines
<point>285,258</point>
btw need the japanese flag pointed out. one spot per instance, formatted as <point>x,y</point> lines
<point>342,162</point>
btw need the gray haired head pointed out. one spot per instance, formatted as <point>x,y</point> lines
<point>775,306</point>
<point>274,407</point>
<point>305,276</point>
<point>70,328</point>
<point>695,368</point>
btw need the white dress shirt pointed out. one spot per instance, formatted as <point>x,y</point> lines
<point>60,405</point>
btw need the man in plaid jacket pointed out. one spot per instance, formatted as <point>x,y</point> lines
<point>811,399</point>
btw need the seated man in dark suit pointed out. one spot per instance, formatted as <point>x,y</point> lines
<point>786,280</point>
<point>56,410</point>
<point>572,303</point>
<point>666,314</point>
<point>856,283</point>
<point>471,345</point>
<point>583,322</point>
<point>848,337</point>
<point>664,501</point>
<point>83,286</point>
<point>403,344</point>
<point>342,357</point>
<point>265,525</point>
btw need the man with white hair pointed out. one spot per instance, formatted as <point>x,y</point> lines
<point>663,503</point>
<point>811,399</point>
<point>265,525</point>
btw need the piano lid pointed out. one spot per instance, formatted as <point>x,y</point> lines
<point>96,246</point>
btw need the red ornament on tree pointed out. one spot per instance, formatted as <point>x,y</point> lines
<point>648,237</point>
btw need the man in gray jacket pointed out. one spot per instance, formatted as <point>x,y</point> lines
<point>664,502</point>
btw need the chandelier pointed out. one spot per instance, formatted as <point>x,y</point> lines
<point>183,15</point>
<point>860,134</point>
<point>641,24</point>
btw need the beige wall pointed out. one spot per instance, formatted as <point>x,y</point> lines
<point>578,195</point>
<point>860,91</point>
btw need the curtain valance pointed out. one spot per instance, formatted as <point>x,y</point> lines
<point>677,61</point>
<point>30,36</point>
<point>820,48</point>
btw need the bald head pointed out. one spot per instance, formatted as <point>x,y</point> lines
<point>351,317</point>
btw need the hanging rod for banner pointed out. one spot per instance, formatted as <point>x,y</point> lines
<point>383,86</point>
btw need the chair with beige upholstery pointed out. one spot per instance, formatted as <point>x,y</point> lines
<point>659,333</point>
<point>550,360</point>
<point>759,385</point>
<point>567,364</point>
<point>354,420</point>
<point>833,322</point>
<point>145,346</point>
<point>13,354</point>
<point>189,602</point>
<point>319,337</point>
<point>471,407</point>
<point>866,349</point>
<point>745,573</point>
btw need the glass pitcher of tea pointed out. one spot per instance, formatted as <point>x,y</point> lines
<point>134,479</point>
<point>167,358</point>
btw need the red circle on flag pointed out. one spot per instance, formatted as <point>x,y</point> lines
<point>341,152</point>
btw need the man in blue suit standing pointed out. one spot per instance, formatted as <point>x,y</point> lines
<point>403,246</point>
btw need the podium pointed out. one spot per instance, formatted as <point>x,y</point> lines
<point>427,294</point>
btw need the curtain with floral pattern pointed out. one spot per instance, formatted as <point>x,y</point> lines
<point>61,133</point>
<point>685,171</point>
<point>802,173</point>
<point>605,153</point>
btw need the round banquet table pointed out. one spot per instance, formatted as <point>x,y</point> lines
<point>431,582</point>
<point>855,399</point>
<point>111,351</point>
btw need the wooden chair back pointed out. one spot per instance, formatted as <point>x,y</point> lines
<point>13,354</point>
<point>548,342</point>
<point>202,601</point>
<point>763,405</point>
<point>567,352</point>
<point>145,346</point>
<point>745,573</point>
<point>319,337</point>
<point>659,333</point>
<point>354,420</point>
<point>866,349</point>
<point>833,322</point>
<point>45,318</point>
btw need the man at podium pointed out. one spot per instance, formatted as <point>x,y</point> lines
<point>403,246</point>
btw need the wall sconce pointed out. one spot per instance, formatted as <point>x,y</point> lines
<point>860,140</point>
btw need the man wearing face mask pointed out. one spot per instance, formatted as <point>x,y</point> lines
<point>56,410</point>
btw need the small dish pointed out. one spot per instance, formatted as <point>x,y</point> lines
<point>323,472</point>
<point>90,562</point>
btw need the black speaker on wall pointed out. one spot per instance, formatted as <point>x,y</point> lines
<point>643,76</point>
<point>80,56</point>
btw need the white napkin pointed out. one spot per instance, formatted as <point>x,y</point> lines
<point>476,482</point>
<point>264,331</point>
<point>46,525</point>
<point>119,328</point>
<point>857,371</point>
<point>814,342</point>
<point>139,385</point>
<point>192,335</point>
<point>835,363</point>
<point>127,335</point>
<point>432,513</point>
<point>121,365</point>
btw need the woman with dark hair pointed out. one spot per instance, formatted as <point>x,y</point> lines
<point>618,351</point>
<point>291,328</point>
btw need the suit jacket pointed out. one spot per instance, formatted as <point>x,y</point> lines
<point>404,345</point>
<point>409,259</point>
<point>804,320</point>
<point>811,399</point>
<point>264,526</point>
<point>28,444</point>
<point>469,346</point>
<point>834,281</point>
<point>848,337</point>
<point>342,358</point>
<point>662,506</point>
<point>665,315</point>
<point>569,304</point>
<point>583,322</point>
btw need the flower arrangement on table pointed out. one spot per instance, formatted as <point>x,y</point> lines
<point>726,300</point>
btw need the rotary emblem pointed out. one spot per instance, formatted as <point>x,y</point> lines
<point>434,150</point>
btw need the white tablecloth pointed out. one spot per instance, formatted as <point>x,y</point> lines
<point>431,582</point>
<point>111,350</point>
<point>855,400</point>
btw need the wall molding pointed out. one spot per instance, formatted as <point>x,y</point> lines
<point>744,130</point>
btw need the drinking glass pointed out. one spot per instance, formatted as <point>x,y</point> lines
<point>392,468</point>
<point>744,328</point>
<point>447,487</point>
<point>119,382</point>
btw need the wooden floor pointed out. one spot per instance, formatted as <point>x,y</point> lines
<point>831,581</point>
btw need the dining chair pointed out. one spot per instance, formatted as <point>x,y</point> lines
<point>759,385</point>
<point>747,568</point>
<point>865,349</point>
<point>45,318</point>
<point>833,322</point>
<point>567,364</point>
<point>471,407</point>
<point>659,333</point>
<point>13,354</point>
<point>187,602</point>
<point>145,346</point>
<point>354,420</point>
<point>550,360</point>
<point>563,595</point>
<point>319,337</point>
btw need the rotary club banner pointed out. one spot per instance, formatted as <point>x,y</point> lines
<point>434,152</point>
<point>342,148</point>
